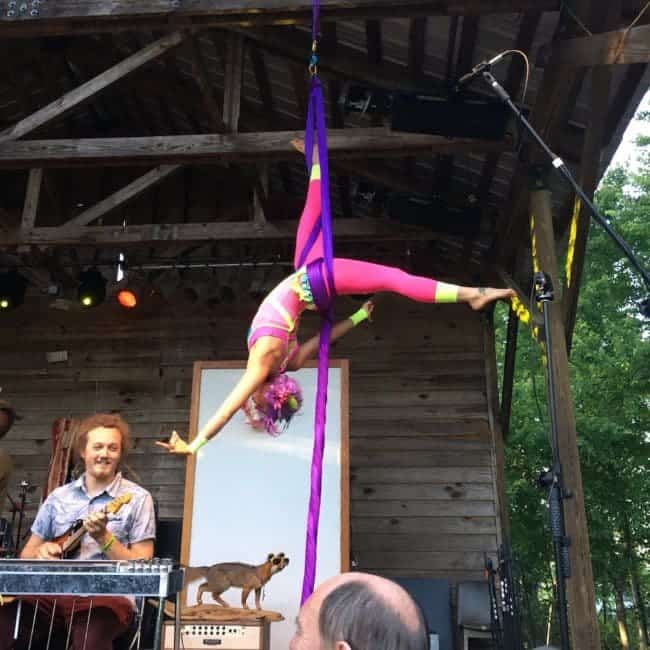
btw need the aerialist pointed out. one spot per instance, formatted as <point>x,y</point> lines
<point>268,396</point>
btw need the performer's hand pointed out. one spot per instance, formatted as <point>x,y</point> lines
<point>49,551</point>
<point>95,525</point>
<point>176,445</point>
<point>369,305</point>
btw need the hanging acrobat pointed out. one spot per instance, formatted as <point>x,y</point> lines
<point>269,397</point>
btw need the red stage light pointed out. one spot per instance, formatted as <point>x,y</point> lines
<point>127,298</point>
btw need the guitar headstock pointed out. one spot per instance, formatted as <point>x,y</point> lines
<point>114,506</point>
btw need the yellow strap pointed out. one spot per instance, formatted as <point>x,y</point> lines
<point>315,172</point>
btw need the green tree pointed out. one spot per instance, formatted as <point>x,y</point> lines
<point>610,375</point>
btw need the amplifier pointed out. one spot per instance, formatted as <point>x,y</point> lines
<point>204,634</point>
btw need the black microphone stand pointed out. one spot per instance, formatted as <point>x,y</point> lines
<point>558,163</point>
<point>24,489</point>
<point>552,479</point>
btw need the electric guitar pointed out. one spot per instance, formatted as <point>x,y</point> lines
<point>70,540</point>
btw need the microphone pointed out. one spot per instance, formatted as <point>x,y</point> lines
<point>477,69</point>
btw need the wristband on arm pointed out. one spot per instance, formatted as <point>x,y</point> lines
<point>108,544</point>
<point>196,444</point>
<point>359,316</point>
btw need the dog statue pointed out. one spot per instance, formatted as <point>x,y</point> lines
<point>220,577</point>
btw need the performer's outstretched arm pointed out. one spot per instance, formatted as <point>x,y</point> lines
<point>309,349</point>
<point>260,364</point>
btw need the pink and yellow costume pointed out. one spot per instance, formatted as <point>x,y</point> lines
<point>279,313</point>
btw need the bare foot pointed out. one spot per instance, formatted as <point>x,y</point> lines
<point>485,295</point>
<point>299,145</point>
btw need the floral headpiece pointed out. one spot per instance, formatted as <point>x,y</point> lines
<point>283,399</point>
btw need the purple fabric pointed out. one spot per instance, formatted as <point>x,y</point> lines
<point>321,276</point>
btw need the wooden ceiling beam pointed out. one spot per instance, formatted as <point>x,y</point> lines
<point>122,196</point>
<point>67,17</point>
<point>32,197</point>
<point>233,80</point>
<point>182,233</point>
<point>212,148</point>
<point>197,61</point>
<point>60,106</point>
<point>266,94</point>
<point>621,46</point>
<point>344,62</point>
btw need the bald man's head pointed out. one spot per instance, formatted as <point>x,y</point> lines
<point>360,611</point>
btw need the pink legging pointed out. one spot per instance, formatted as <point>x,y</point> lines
<point>354,276</point>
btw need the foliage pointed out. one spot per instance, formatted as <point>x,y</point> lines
<point>610,378</point>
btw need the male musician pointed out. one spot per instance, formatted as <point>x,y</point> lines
<point>92,623</point>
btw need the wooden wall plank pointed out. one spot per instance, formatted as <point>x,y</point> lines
<point>422,482</point>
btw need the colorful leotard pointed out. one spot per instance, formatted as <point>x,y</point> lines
<point>279,313</point>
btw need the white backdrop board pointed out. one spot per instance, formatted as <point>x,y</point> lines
<point>247,493</point>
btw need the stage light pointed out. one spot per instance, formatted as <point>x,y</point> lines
<point>127,298</point>
<point>92,288</point>
<point>12,289</point>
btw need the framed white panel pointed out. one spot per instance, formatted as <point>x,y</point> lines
<point>247,493</point>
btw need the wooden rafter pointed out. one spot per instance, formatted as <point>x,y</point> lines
<point>202,77</point>
<point>210,148</point>
<point>234,73</point>
<point>32,197</point>
<point>122,196</point>
<point>345,62</point>
<point>87,90</point>
<point>59,17</point>
<point>617,47</point>
<point>180,233</point>
<point>264,87</point>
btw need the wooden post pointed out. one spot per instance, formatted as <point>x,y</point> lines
<point>509,371</point>
<point>583,622</point>
<point>496,433</point>
<point>32,196</point>
<point>233,80</point>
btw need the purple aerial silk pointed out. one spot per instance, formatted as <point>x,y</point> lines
<point>321,281</point>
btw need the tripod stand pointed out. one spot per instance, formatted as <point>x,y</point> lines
<point>552,479</point>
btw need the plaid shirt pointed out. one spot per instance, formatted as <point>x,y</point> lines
<point>134,522</point>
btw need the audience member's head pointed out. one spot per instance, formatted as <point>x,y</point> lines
<point>7,417</point>
<point>360,611</point>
